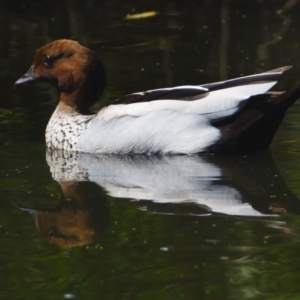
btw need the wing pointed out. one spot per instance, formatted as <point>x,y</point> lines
<point>179,92</point>
<point>190,92</point>
<point>214,105</point>
<point>267,76</point>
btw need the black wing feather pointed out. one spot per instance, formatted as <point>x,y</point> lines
<point>168,93</point>
<point>190,92</point>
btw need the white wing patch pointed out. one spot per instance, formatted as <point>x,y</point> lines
<point>224,103</point>
<point>216,105</point>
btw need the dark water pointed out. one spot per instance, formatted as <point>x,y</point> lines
<point>86,227</point>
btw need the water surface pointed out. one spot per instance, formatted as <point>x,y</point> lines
<point>111,227</point>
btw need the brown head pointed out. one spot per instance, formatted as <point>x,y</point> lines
<point>74,70</point>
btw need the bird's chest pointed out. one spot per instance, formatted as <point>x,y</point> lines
<point>62,132</point>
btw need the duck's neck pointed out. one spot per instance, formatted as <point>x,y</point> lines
<point>77,93</point>
<point>79,102</point>
<point>64,107</point>
<point>81,93</point>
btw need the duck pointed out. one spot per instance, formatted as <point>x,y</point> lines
<point>240,114</point>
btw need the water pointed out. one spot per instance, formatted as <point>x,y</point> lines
<point>90,227</point>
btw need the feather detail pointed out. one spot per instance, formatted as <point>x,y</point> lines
<point>178,92</point>
<point>191,92</point>
<point>215,105</point>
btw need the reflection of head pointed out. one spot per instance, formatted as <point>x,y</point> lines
<point>80,219</point>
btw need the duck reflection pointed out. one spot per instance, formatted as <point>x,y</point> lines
<point>80,219</point>
<point>244,186</point>
<point>232,185</point>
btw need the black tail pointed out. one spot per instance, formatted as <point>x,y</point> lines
<point>254,127</point>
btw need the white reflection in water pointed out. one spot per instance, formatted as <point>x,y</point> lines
<point>160,179</point>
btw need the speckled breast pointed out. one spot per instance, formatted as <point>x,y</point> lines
<point>64,129</point>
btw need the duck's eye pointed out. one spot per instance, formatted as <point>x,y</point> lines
<point>48,61</point>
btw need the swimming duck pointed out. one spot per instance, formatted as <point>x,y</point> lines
<point>240,114</point>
